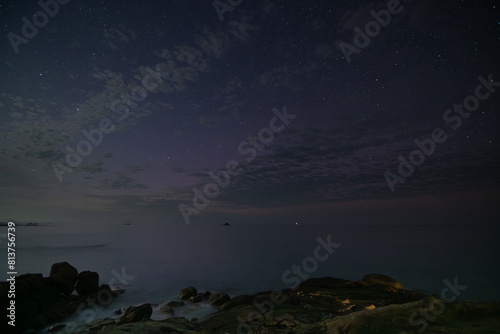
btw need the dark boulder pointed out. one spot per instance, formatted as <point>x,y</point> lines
<point>38,303</point>
<point>187,293</point>
<point>196,299</point>
<point>236,301</point>
<point>165,309</point>
<point>206,295</point>
<point>56,328</point>
<point>136,313</point>
<point>218,298</point>
<point>175,303</point>
<point>63,275</point>
<point>383,280</point>
<point>323,283</point>
<point>87,283</point>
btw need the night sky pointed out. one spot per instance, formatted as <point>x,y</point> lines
<point>119,111</point>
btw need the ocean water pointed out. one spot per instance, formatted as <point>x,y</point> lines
<point>154,261</point>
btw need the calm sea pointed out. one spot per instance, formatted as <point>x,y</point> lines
<point>154,261</point>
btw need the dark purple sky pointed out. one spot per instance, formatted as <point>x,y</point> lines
<point>176,92</point>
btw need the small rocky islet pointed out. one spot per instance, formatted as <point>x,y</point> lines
<point>374,304</point>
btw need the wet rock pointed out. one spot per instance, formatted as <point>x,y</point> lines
<point>170,325</point>
<point>39,302</point>
<point>196,299</point>
<point>323,283</point>
<point>175,303</point>
<point>165,309</point>
<point>187,293</point>
<point>135,314</point>
<point>178,325</point>
<point>218,298</point>
<point>383,280</point>
<point>119,311</point>
<point>87,283</point>
<point>56,328</point>
<point>323,306</point>
<point>63,276</point>
<point>287,323</point>
<point>236,301</point>
<point>115,292</point>
<point>100,324</point>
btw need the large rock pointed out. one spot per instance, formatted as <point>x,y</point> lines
<point>382,279</point>
<point>206,295</point>
<point>236,301</point>
<point>63,275</point>
<point>187,293</point>
<point>38,303</point>
<point>196,299</point>
<point>175,303</point>
<point>324,306</point>
<point>136,313</point>
<point>167,310</point>
<point>218,298</point>
<point>323,283</point>
<point>88,283</point>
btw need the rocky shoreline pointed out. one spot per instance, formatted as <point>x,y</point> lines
<point>374,304</point>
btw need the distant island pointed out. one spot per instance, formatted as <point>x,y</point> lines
<point>21,224</point>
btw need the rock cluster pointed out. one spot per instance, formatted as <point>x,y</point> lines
<point>375,304</point>
<point>41,301</point>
